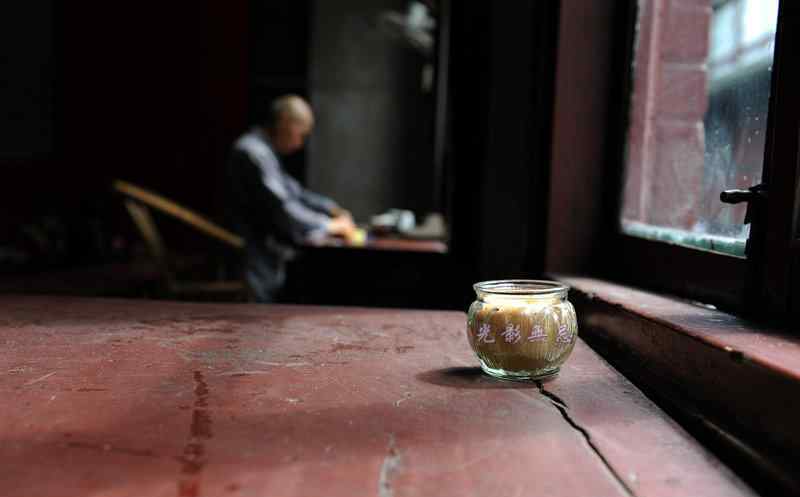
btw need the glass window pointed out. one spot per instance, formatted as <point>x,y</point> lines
<point>701,81</point>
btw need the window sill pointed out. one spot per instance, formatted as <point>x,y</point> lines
<point>733,383</point>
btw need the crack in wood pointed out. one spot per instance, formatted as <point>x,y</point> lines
<point>562,408</point>
<point>194,459</point>
<point>391,464</point>
<point>550,395</point>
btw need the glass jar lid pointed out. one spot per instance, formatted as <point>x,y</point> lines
<point>521,288</point>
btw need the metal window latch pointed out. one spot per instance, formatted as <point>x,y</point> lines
<point>752,195</point>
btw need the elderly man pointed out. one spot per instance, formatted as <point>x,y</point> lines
<point>269,208</point>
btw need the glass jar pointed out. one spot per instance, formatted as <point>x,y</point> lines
<point>522,329</point>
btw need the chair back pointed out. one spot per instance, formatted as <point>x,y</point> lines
<point>171,208</point>
<point>152,238</point>
<point>140,203</point>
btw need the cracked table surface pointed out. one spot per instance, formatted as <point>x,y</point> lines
<point>119,397</point>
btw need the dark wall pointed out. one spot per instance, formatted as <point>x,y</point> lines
<point>155,92</point>
<point>502,67</point>
<point>27,71</point>
<point>372,146</point>
<point>279,51</point>
<point>152,92</point>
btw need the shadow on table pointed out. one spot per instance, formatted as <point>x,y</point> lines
<point>472,377</point>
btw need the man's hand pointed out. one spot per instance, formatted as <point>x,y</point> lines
<point>342,225</point>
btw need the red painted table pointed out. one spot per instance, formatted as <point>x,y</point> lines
<point>383,243</point>
<point>119,397</point>
<point>386,272</point>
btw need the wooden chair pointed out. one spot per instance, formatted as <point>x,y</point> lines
<point>138,203</point>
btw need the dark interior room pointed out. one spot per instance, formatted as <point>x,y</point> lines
<point>404,247</point>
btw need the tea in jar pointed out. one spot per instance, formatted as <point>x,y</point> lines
<point>521,329</point>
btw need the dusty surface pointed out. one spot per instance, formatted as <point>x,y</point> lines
<point>115,397</point>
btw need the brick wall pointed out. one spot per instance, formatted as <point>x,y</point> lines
<point>666,143</point>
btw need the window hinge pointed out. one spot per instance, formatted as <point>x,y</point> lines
<point>752,195</point>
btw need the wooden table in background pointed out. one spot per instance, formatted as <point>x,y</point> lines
<point>121,397</point>
<point>385,243</point>
<point>387,272</point>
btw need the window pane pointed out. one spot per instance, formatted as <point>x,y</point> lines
<point>701,81</point>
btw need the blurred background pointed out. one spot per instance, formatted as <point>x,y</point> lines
<point>498,125</point>
<point>155,94</point>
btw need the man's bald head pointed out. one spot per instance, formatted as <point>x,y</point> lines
<point>290,122</point>
<point>291,108</point>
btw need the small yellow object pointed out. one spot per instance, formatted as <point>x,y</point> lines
<point>358,237</point>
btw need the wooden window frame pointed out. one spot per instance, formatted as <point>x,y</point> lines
<point>776,252</point>
<point>759,285</point>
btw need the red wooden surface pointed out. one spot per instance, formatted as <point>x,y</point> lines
<point>768,347</point>
<point>116,397</point>
<point>384,243</point>
<point>705,364</point>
